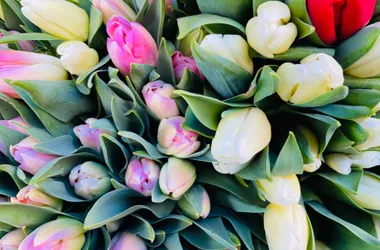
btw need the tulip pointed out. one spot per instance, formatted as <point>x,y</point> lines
<point>21,65</point>
<point>142,175</point>
<point>316,75</point>
<point>125,240</point>
<point>113,226</point>
<point>32,196</point>
<point>176,177</point>
<point>157,97</point>
<point>239,137</point>
<point>89,136</point>
<point>313,144</point>
<point>372,126</point>
<point>24,45</point>
<point>168,6</point>
<point>339,19</point>
<point>342,163</point>
<point>175,140</point>
<point>195,203</point>
<point>16,124</point>
<point>130,42</point>
<point>111,8</point>
<point>282,190</point>
<point>376,223</point>
<point>62,19</point>
<point>367,195</point>
<point>231,47</point>
<point>181,62</point>
<point>184,45</point>
<point>62,233</point>
<point>286,227</point>
<point>270,32</point>
<point>90,179</point>
<point>77,57</point>
<point>12,239</point>
<point>319,245</point>
<point>30,160</point>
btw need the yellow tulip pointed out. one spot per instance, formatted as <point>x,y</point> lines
<point>282,190</point>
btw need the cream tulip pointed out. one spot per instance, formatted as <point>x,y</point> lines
<point>316,75</point>
<point>372,126</point>
<point>368,195</point>
<point>312,141</point>
<point>342,163</point>
<point>270,32</point>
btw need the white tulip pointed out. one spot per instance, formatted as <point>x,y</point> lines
<point>372,126</point>
<point>270,32</point>
<point>343,163</point>
<point>313,149</point>
<point>368,195</point>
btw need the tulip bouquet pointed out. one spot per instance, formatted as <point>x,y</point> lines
<point>189,124</point>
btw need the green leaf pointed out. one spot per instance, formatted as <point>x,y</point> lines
<point>154,19</point>
<point>360,83</point>
<point>294,54</point>
<point>96,36</point>
<point>173,241</point>
<point>237,10</point>
<point>9,181</point>
<point>259,168</point>
<point>362,97</point>
<point>192,123</point>
<point>350,182</point>
<point>85,75</point>
<point>165,64</point>
<point>28,37</point>
<point>9,137</point>
<point>13,16</point>
<point>304,29</point>
<point>140,74</point>
<point>332,96</point>
<point>344,111</point>
<point>11,171</point>
<point>158,196</point>
<point>339,143</point>
<point>267,84</point>
<point>59,188</point>
<point>172,223</point>
<point>139,142</point>
<point>159,239</point>
<point>354,132</point>
<point>63,145</point>
<point>137,225</point>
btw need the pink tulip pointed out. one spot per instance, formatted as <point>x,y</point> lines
<point>32,196</point>
<point>157,97</point>
<point>168,6</point>
<point>25,45</point>
<point>22,65</point>
<point>30,160</point>
<point>16,124</point>
<point>111,8</point>
<point>125,241</point>
<point>175,140</point>
<point>88,136</point>
<point>142,174</point>
<point>130,42</point>
<point>12,240</point>
<point>181,62</point>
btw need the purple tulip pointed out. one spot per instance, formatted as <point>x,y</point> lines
<point>125,240</point>
<point>88,136</point>
<point>25,45</point>
<point>181,62</point>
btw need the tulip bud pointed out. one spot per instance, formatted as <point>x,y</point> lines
<point>270,32</point>
<point>113,226</point>
<point>342,163</point>
<point>90,179</point>
<point>282,190</point>
<point>286,227</point>
<point>231,47</point>
<point>21,65</point>
<point>24,45</point>
<point>176,177</point>
<point>372,126</point>
<point>16,124</point>
<point>157,97</point>
<point>12,240</point>
<point>130,42</point>
<point>30,160</point>
<point>368,193</point>
<point>181,62</point>
<point>184,45</point>
<point>316,75</point>
<point>62,233</point>
<point>125,240</point>
<point>88,136</point>
<point>175,140</point>
<point>77,57</point>
<point>62,19</point>
<point>313,144</point>
<point>32,196</point>
<point>142,175</point>
<point>195,203</point>
<point>111,8</point>
<point>319,245</point>
<point>239,137</point>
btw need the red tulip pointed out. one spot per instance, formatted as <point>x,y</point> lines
<point>339,19</point>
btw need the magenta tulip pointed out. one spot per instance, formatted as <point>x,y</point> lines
<point>181,62</point>
<point>88,136</point>
<point>111,8</point>
<point>32,196</point>
<point>130,42</point>
<point>25,45</point>
<point>125,241</point>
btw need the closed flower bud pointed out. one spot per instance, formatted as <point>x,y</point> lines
<point>20,65</point>
<point>316,75</point>
<point>313,144</point>
<point>176,177</point>
<point>282,190</point>
<point>184,45</point>
<point>114,225</point>
<point>111,8</point>
<point>89,136</point>
<point>30,160</point>
<point>270,32</point>
<point>16,124</point>
<point>130,42</point>
<point>157,97</point>
<point>231,47</point>
<point>142,175</point>
<point>181,62</point>
<point>286,227</point>
<point>195,203</point>
<point>90,179</point>
<point>32,196</point>
<point>125,240</point>
<point>62,233</point>
<point>62,19</point>
<point>343,163</point>
<point>175,140</point>
<point>368,193</point>
<point>24,45</point>
<point>77,57</point>
<point>372,126</point>
<point>239,137</point>
<point>12,240</point>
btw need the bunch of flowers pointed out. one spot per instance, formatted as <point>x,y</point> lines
<point>189,124</point>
